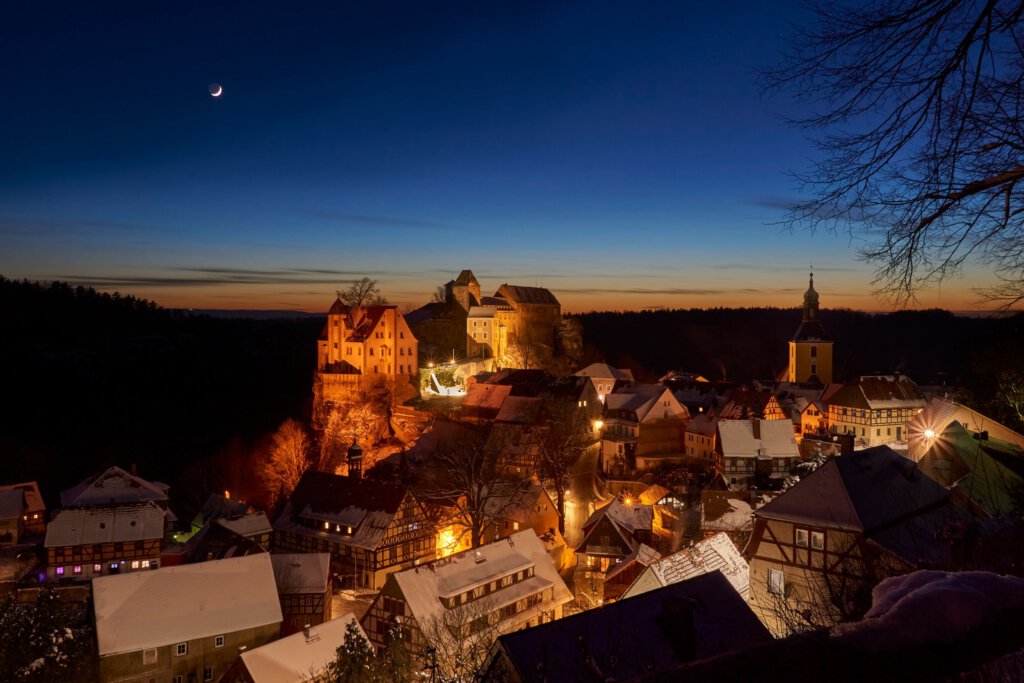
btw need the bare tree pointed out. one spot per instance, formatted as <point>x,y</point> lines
<point>461,639</point>
<point>473,477</point>
<point>288,458</point>
<point>567,433</point>
<point>363,292</point>
<point>919,127</point>
<point>440,296</point>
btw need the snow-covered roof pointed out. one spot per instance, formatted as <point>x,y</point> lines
<point>113,485</point>
<point>170,605</point>
<point>293,659</point>
<point>725,511</point>
<point>605,371</point>
<point>715,553</point>
<point>302,572</point>
<point>641,399</point>
<point>772,438</point>
<point>86,526</point>
<point>248,525</point>
<point>423,586</point>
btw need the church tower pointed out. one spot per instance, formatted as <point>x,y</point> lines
<point>810,349</point>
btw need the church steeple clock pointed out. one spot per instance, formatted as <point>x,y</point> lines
<point>810,349</point>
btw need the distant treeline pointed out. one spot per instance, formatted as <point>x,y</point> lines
<point>93,379</point>
<point>743,344</point>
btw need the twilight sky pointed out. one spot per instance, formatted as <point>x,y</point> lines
<point>617,153</point>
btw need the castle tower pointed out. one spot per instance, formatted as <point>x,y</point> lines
<point>810,349</point>
<point>355,460</point>
<point>464,290</point>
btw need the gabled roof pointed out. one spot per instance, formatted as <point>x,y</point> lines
<point>169,605</point>
<point>519,410</point>
<point>725,511</point>
<point>877,392</point>
<point>12,504</point>
<point>527,295</point>
<point>33,498</point>
<point>717,553</point>
<point>217,506</point>
<point>423,586</point>
<point>486,396</point>
<point>773,439</point>
<point>113,485</point>
<point>367,318</point>
<point>605,371</point>
<point>627,520</point>
<point>640,399</point>
<point>217,542</point>
<point>295,658</point>
<point>338,307</point>
<point>248,525</point>
<point>703,424</point>
<point>365,505</point>
<point>638,635</point>
<point>811,331</point>
<point>302,572</point>
<point>862,492</point>
<point>90,525</point>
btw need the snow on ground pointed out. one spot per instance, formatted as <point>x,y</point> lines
<point>932,607</point>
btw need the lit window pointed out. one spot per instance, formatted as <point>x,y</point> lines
<point>135,564</point>
<point>327,525</point>
<point>515,526</point>
<point>218,641</point>
<point>776,581</point>
<point>181,649</point>
<point>801,537</point>
<point>77,569</point>
<point>145,564</point>
<point>97,567</point>
<point>114,565</point>
<point>818,540</point>
<point>60,571</point>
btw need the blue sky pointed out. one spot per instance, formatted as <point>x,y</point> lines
<point>619,154</point>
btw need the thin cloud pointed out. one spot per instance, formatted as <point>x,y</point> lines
<point>375,220</point>
<point>675,291</point>
<point>785,269</point>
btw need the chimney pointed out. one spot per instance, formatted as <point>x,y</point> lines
<point>355,460</point>
<point>305,630</point>
<point>757,428</point>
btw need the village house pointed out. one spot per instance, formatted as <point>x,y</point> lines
<point>370,528</point>
<point>35,507</point>
<point>701,433</point>
<point>12,517</point>
<point>756,452</point>
<point>876,409</point>
<point>304,586</point>
<point>611,536</point>
<point>184,624</point>
<point>622,574</point>
<point>214,542</point>
<point>717,553</point>
<point>218,506</point>
<point>632,639</point>
<point>83,543</point>
<point>115,486</point>
<point>728,512</point>
<point>496,588</point>
<point>298,658</point>
<point>644,427</point>
<point>833,536</point>
<point>255,526</point>
<point>606,379</point>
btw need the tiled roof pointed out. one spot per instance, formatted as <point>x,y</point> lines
<point>527,295</point>
<point>717,553</point>
<point>113,485</point>
<point>775,438</point>
<point>90,525</point>
<point>466,277</point>
<point>33,498</point>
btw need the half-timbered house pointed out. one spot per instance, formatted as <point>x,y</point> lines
<point>304,586</point>
<point>370,528</point>
<point>85,542</point>
<point>819,548</point>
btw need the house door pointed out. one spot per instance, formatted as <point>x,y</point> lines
<point>898,430</point>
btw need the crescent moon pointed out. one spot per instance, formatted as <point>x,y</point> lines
<point>216,90</point>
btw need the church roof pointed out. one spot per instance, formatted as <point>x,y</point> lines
<point>811,330</point>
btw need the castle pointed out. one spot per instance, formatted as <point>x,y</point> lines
<point>514,327</point>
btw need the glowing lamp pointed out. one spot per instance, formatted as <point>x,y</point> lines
<point>598,424</point>
<point>929,433</point>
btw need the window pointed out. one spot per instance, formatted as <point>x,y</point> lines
<point>145,564</point>
<point>97,567</point>
<point>818,540</point>
<point>814,369</point>
<point>77,569</point>
<point>814,352</point>
<point>177,679</point>
<point>776,582</point>
<point>149,656</point>
<point>181,649</point>
<point>208,673</point>
<point>135,564</point>
<point>60,571</point>
<point>801,537</point>
<point>218,641</point>
<point>515,526</point>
